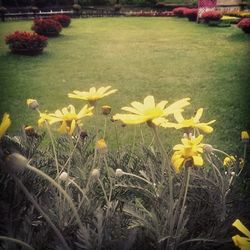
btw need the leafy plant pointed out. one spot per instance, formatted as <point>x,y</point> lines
<point>47,27</point>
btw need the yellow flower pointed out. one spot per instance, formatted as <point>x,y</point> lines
<point>244,136</point>
<point>189,151</point>
<point>93,94</point>
<point>194,122</point>
<point>228,161</point>
<point>43,118</point>
<point>69,119</point>
<point>150,112</point>
<point>242,242</point>
<point>4,124</point>
<point>101,146</point>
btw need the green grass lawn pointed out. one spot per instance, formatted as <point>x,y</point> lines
<point>169,58</point>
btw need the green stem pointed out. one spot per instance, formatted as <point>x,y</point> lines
<point>46,217</point>
<point>139,177</point>
<point>16,241</point>
<point>110,179</point>
<point>105,127</point>
<point>133,147</point>
<point>104,192</point>
<point>187,175</point>
<point>60,189</point>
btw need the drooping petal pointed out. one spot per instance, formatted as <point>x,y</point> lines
<point>238,224</point>
<point>177,161</point>
<point>72,127</point>
<point>4,124</point>
<point>198,161</point>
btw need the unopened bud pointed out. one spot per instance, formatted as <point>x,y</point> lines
<point>233,174</point>
<point>95,173</point>
<point>101,146</point>
<point>208,148</point>
<point>106,110</point>
<point>32,103</point>
<point>245,136</point>
<point>16,162</point>
<point>119,172</point>
<point>64,176</point>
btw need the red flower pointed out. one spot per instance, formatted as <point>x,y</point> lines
<point>212,15</point>
<point>244,24</point>
<point>47,27</point>
<point>62,19</point>
<point>179,11</point>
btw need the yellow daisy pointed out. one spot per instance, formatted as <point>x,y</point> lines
<point>229,160</point>
<point>242,242</point>
<point>93,94</point>
<point>69,118</point>
<point>194,122</point>
<point>151,113</point>
<point>189,151</point>
<point>4,124</point>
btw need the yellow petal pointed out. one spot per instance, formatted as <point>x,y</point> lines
<point>241,228</point>
<point>178,117</point>
<point>72,109</point>
<point>139,106</point>
<point>177,106</point>
<point>162,104</point>
<point>72,127</point>
<point>110,92</point>
<point>242,242</point>
<point>130,119</point>
<point>149,102</point>
<point>131,110</point>
<point>198,115</point>
<point>4,124</point>
<point>204,127</point>
<point>198,161</point>
<point>177,161</point>
<point>63,128</point>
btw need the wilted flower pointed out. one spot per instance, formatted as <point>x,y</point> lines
<point>64,176</point>
<point>32,103</point>
<point>119,172</point>
<point>101,146</point>
<point>4,124</point>
<point>242,242</point>
<point>208,148</point>
<point>69,119</point>
<point>244,136</point>
<point>93,94</point>
<point>106,110</point>
<point>189,151</point>
<point>194,122</point>
<point>29,131</point>
<point>95,173</point>
<point>151,113</point>
<point>229,160</point>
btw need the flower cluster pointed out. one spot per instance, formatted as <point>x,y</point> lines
<point>244,24</point>
<point>25,41</point>
<point>64,20</point>
<point>191,14</point>
<point>212,15</point>
<point>47,27</point>
<point>180,11</point>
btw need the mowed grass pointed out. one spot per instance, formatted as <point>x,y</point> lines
<point>169,58</point>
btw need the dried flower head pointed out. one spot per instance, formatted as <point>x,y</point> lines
<point>32,103</point>
<point>64,176</point>
<point>106,110</point>
<point>95,173</point>
<point>119,172</point>
<point>101,146</point>
<point>244,136</point>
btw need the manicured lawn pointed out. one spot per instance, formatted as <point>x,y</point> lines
<point>169,58</point>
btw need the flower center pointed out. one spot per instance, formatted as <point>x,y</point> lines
<point>69,117</point>
<point>152,113</point>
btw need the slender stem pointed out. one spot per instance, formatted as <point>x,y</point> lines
<point>133,147</point>
<point>139,177</point>
<point>22,243</point>
<point>103,190</point>
<point>46,217</point>
<point>188,169</point>
<point>110,179</point>
<point>105,127</point>
<point>60,189</point>
<point>53,147</point>
<point>80,189</point>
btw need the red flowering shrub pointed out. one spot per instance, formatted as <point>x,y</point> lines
<point>26,42</point>
<point>212,15</point>
<point>62,19</point>
<point>179,11</point>
<point>47,27</point>
<point>244,24</point>
<point>191,14</point>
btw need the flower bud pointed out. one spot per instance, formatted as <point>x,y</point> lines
<point>29,131</point>
<point>233,174</point>
<point>208,148</point>
<point>32,103</point>
<point>64,176</point>
<point>106,110</point>
<point>95,173</point>
<point>16,162</point>
<point>101,146</point>
<point>244,136</point>
<point>119,172</point>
